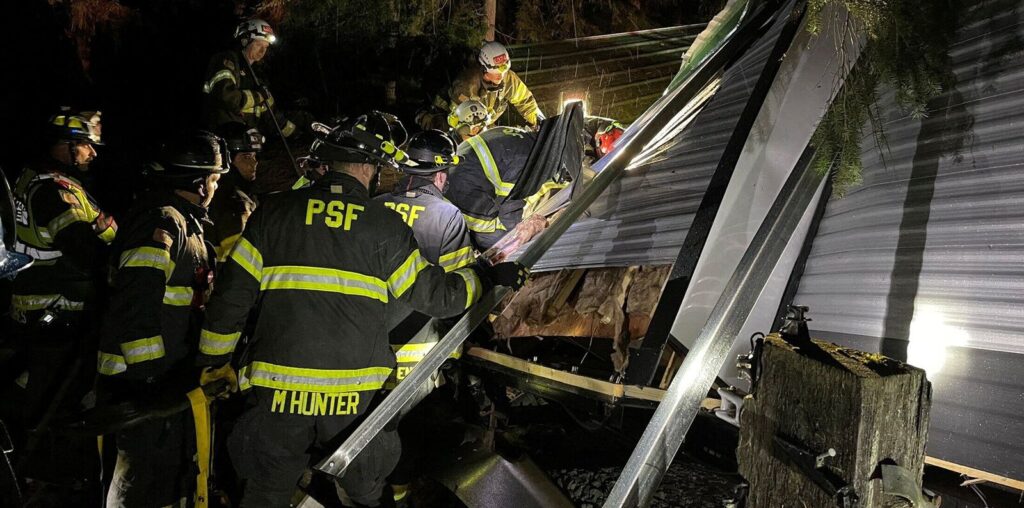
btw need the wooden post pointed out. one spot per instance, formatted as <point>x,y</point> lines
<point>870,409</point>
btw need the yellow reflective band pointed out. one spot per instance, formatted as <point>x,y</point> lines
<point>501,188</point>
<point>248,257</point>
<point>40,302</point>
<point>216,344</point>
<point>288,129</point>
<point>280,377</point>
<point>148,257</point>
<point>405,275</point>
<point>311,278</point>
<point>301,183</point>
<point>412,353</point>
<point>533,199</point>
<point>483,226</point>
<point>142,350</point>
<point>220,76</point>
<point>178,296</point>
<point>249,105</point>
<point>473,285</point>
<point>66,219</point>
<point>110,364</point>
<point>225,247</point>
<point>107,235</point>
<point>457,259</point>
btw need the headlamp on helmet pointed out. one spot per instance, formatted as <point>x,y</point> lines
<point>254,29</point>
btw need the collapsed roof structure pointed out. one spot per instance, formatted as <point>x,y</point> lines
<point>922,262</point>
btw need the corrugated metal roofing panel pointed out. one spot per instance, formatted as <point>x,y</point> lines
<point>623,229</point>
<point>928,254</point>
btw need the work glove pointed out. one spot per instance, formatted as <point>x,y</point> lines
<point>509,273</point>
<point>225,372</point>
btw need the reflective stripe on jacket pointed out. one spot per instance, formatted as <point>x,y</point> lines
<point>479,186</point>
<point>469,85</point>
<point>52,210</point>
<point>161,271</point>
<point>321,264</point>
<point>232,95</point>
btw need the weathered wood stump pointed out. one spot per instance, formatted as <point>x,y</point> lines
<point>870,409</point>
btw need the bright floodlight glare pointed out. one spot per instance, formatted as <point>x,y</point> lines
<point>931,338</point>
<point>272,39</point>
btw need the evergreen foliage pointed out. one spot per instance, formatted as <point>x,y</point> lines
<point>906,51</point>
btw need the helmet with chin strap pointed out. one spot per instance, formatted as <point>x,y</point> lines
<point>81,127</point>
<point>429,152</point>
<point>470,113</point>
<point>252,29</point>
<point>239,137</point>
<point>494,57</point>
<point>185,161</point>
<point>365,139</point>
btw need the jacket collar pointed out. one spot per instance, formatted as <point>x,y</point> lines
<point>348,183</point>
<point>420,184</point>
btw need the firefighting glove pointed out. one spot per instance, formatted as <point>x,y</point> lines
<point>225,372</point>
<point>509,273</point>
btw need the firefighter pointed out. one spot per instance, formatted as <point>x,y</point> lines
<point>444,240</point>
<point>491,81</point>
<point>481,185</point>
<point>53,302</point>
<point>320,265</point>
<point>232,93</point>
<point>418,197</point>
<point>161,273</point>
<point>234,201</point>
<point>438,226</point>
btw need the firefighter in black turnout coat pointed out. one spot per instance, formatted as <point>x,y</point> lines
<point>231,91</point>
<point>162,270</point>
<point>491,163</point>
<point>234,202</point>
<point>321,265</point>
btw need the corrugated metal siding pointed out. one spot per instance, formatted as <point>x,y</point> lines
<point>930,249</point>
<point>625,230</point>
<point>620,74</point>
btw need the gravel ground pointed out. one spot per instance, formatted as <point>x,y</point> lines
<point>686,484</point>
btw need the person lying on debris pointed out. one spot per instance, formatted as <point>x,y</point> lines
<point>505,172</point>
<point>491,81</point>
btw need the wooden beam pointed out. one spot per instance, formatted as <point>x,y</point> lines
<point>597,386</point>
<point>975,473</point>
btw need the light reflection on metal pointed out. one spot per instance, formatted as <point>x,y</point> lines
<point>671,421</point>
<point>930,338</point>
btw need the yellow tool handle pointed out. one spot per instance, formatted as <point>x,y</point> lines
<point>201,416</point>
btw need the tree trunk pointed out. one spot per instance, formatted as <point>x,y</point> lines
<point>490,12</point>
